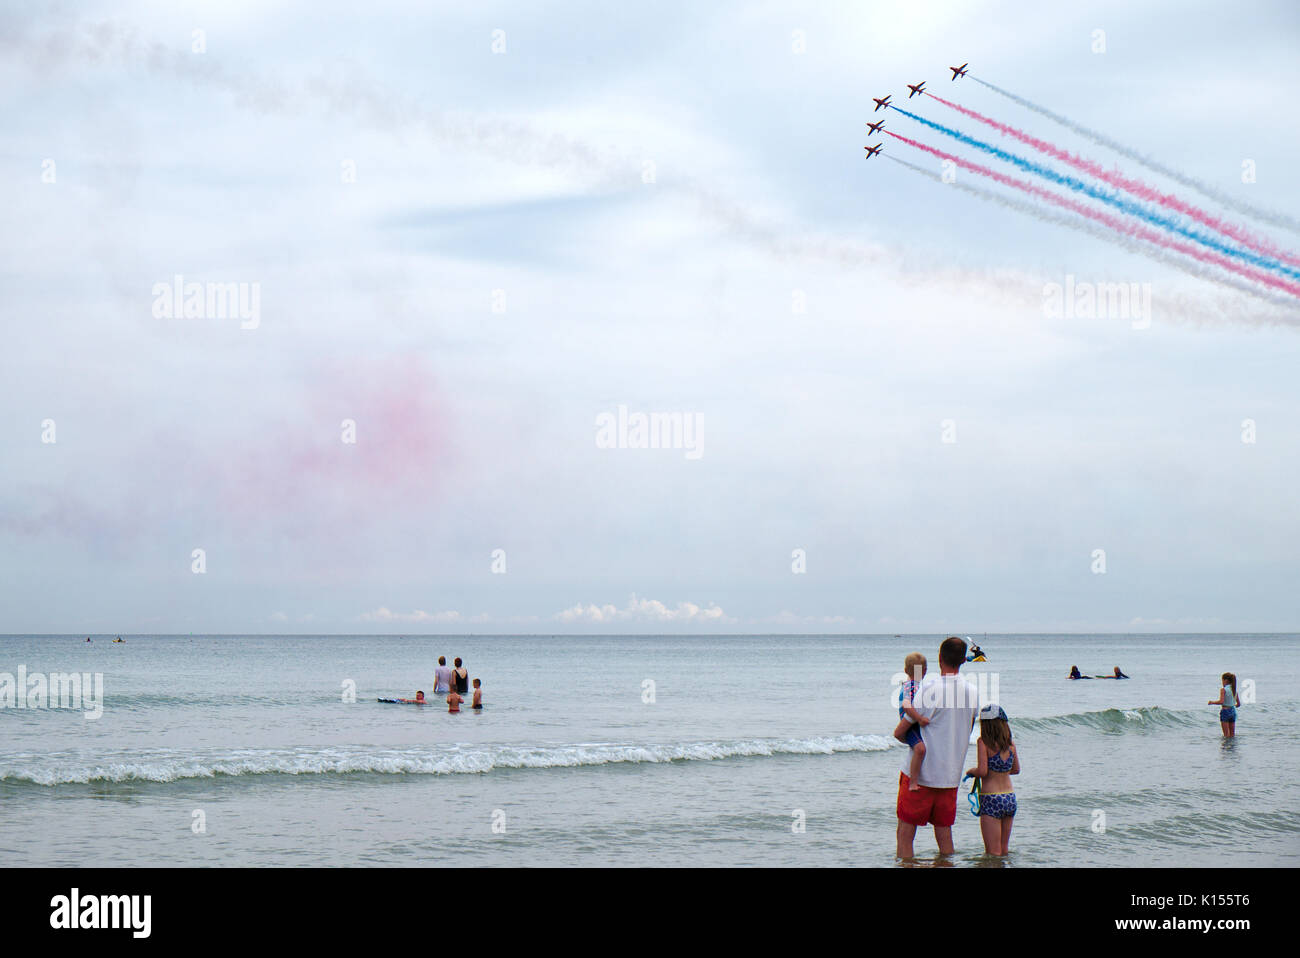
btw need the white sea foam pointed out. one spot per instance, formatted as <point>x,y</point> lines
<point>170,766</point>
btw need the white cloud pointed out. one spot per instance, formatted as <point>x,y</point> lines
<point>385,614</point>
<point>644,610</point>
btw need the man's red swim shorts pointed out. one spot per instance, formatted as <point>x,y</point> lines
<point>929,806</point>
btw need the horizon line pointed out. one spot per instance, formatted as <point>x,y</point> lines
<point>540,635</point>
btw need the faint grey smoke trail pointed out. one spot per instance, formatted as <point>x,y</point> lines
<point>349,93</point>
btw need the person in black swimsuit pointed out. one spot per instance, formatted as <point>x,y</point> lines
<point>461,675</point>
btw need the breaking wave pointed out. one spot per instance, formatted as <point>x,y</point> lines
<point>160,765</point>
<point>1118,720</point>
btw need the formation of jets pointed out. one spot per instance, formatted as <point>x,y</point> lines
<point>883,101</point>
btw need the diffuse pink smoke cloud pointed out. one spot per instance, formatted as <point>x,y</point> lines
<point>365,434</point>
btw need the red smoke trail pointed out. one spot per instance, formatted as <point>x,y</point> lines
<point>1128,229</point>
<point>1136,187</point>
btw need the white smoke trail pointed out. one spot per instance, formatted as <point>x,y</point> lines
<point>1192,268</point>
<point>1267,216</point>
<point>347,93</point>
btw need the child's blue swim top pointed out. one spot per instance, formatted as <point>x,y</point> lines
<point>997,764</point>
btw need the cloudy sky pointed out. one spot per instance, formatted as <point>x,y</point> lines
<point>472,230</point>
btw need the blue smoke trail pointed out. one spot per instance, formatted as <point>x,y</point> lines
<point>1111,199</point>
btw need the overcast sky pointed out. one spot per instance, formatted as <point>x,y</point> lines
<point>472,244</point>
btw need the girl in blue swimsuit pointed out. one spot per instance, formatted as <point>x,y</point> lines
<point>1227,702</point>
<point>998,761</point>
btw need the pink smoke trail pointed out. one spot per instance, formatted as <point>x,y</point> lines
<point>1136,187</point>
<point>1128,229</point>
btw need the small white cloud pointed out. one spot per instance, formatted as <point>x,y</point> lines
<point>279,617</point>
<point>589,613</point>
<point>644,610</point>
<point>385,614</point>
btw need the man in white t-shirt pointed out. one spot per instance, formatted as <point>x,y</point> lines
<point>951,704</point>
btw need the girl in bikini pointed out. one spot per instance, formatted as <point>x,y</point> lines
<point>998,761</point>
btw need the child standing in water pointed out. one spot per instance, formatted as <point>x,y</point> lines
<point>998,761</point>
<point>910,732</point>
<point>1227,702</point>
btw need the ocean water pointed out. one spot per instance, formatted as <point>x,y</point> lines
<point>631,751</point>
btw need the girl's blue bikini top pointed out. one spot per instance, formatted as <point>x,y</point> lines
<point>997,764</point>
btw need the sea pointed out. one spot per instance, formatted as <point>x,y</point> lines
<point>641,751</point>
